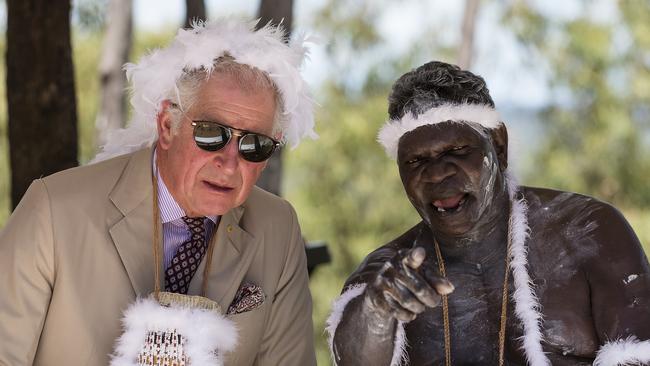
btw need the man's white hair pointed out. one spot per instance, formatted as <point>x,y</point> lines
<point>246,78</point>
<point>157,74</point>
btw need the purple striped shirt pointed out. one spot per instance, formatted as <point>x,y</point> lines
<point>175,232</point>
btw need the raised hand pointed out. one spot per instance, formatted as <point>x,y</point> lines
<point>403,289</point>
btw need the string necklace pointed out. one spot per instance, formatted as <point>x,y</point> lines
<point>158,247</point>
<point>504,301</point>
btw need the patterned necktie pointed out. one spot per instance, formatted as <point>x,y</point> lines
<point>187,258</point>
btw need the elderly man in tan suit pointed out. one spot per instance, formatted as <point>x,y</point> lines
<point>208,111</point>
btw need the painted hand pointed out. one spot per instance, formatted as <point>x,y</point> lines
<point>404,288</point>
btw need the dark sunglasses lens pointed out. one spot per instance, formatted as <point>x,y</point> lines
<point>210,136</point>
<point>256,148</point>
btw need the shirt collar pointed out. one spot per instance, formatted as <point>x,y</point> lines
<point>169,208</point>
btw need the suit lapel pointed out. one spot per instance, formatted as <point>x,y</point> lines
<point>233,252</point>
<point>133,235</point>
<point>234,247</point>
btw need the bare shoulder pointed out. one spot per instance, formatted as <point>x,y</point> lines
<point>582,225</point>
<point>585,253</point>
<point>544,202</point>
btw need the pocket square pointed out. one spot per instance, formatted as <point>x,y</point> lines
<point>248,297</point>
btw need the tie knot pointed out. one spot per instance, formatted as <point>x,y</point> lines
<point>195,225</point>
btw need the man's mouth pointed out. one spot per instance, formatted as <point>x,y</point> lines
<point>218,187</point>
<point>450,204</point>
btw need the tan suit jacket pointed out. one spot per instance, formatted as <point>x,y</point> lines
<point>78,250</point>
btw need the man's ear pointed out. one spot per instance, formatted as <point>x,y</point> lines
<point>500,141</point>
<point>165,125</point>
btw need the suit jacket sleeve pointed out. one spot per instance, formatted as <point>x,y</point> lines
<point>288,338</point>
<point>27,280</point>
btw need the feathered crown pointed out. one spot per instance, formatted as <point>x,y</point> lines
<point>155,77</point>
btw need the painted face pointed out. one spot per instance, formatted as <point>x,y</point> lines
<point>450,172</point>
<point>208,183</point>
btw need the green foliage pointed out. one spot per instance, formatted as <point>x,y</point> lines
<point>86,53</point>
<point>639,219</point>
<point>89,15</point>
<point>149,41</point>
<point>598,133</point>
<point>347,192</point>
<point>349,25</point>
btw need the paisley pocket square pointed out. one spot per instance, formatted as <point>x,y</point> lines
<point>248,297</point>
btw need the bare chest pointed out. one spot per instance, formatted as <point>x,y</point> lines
<point>474,317</point>
<point>474,321</point>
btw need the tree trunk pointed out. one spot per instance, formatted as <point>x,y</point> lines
<point>115,53</point>
<point>276,12</point>
<point>465,53</point>
<point>194,9</point>
<point>40,91</point>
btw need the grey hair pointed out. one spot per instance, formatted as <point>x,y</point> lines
<point>433,84</point>
<point>249,79</point>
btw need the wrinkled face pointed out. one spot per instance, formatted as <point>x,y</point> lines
<point>208,183</point>
<point>451,174</point>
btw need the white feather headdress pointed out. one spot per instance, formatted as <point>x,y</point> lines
<point>393,130</point>
<point>156,75</point>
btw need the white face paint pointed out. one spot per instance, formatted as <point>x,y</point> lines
<point>630,278</point>
<point>490,169</point>
<point>489,162</point>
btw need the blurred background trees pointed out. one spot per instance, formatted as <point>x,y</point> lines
<point>587,131</point>
<point>115,50</point>
<point>274,12</point>
<point>41,105</point>
<point>598,123</point>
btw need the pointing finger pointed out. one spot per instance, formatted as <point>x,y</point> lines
<point>442,285</point>
<point>415,258</point>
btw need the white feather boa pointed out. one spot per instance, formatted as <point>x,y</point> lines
<point>629,351</point>
<point>208,334</point>
<point>399,357</point>
<point>527,306</point>
<point>156,75</point>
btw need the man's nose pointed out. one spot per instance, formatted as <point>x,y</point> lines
<point>228,157</point>
<point>438,171</point>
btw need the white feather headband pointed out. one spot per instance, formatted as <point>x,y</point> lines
<point>156,75</point>
<point>393,130</point>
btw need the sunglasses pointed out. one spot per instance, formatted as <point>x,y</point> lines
<point>253,147</point>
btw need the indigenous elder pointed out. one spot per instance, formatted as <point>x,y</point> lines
<point>209,110</point>
<point>495,273</point>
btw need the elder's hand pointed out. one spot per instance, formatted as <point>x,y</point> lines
<point>402,289</point>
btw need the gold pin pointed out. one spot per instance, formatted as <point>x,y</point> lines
<point>229,228</point>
